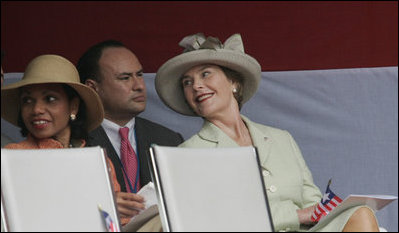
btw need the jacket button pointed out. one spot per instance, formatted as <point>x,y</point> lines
<point>266,173</point>
<point>273,188</point>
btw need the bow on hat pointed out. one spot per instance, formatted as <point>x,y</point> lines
<point>198,41</point>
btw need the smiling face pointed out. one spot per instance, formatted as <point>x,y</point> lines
<point>208,91</point>
<point>45,111</point>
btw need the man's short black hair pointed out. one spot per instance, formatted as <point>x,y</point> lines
<point>88,63</point>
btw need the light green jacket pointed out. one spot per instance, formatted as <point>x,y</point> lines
<point>288,181</point>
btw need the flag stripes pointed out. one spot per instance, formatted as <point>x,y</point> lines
<point>327,204</point>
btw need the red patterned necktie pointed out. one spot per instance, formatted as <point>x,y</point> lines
<point>129,160</point>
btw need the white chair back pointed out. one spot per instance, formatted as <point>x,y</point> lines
<point>208,189</point>
<point>56,190</point>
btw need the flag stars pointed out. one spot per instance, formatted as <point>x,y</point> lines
<point>326,197</point>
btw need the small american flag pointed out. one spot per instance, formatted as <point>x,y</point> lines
<point>327,203</point>
<point>111,227</point>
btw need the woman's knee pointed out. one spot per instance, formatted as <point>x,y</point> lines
<point>363,219</point>
<point>364,213</point>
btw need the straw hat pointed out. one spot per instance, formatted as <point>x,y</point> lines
<point>51,69</point>
<point>201,50</point>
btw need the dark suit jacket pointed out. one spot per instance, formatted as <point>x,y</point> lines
<point>147,133</point>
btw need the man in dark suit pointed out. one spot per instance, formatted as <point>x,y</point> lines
<point>116,74</point>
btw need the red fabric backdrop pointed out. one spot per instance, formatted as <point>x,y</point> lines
<point>281,35</point>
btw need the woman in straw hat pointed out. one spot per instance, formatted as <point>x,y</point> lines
<point>212,80</point>
<point>50,105</point>
<point>52,108</point>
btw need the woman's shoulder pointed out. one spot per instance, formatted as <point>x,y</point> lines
<point>26,144</point>
<point>197,141</point>
<point>32,143</point>
<point>192,141</point>
<point>271,130</point>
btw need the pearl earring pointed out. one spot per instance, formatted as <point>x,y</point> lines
<point>234,90</point>
<point>73,117</point>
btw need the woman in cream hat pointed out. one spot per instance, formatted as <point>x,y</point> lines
<point>50,105</point>
<point>212,80</point>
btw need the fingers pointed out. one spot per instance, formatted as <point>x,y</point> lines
<point>129,204</point>
<point>304,215</point>
<point>126,212</point>
<point>130,196</point>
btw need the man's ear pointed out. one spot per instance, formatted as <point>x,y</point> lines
<point>92,83</point>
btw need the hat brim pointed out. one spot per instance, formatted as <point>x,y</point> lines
<point>10,102</point>
<point>169,87</point>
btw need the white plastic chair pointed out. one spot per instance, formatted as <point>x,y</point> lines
<point>56,190</point>
<point>208,189</point>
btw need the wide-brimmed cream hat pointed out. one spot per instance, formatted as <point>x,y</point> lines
<point>51,69</point>
<point>201,50</point>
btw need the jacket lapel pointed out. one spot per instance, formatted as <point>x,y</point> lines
<point>99,137</point>
<point>212,133</point>
<point>143,144</point>
<point>260,138</point>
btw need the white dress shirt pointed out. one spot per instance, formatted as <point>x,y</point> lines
<point>112,131</point>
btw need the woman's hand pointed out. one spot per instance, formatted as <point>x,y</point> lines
<point>305,215</point>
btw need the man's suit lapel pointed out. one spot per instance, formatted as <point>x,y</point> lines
<point>143,142</point>
<point>99,137</point>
